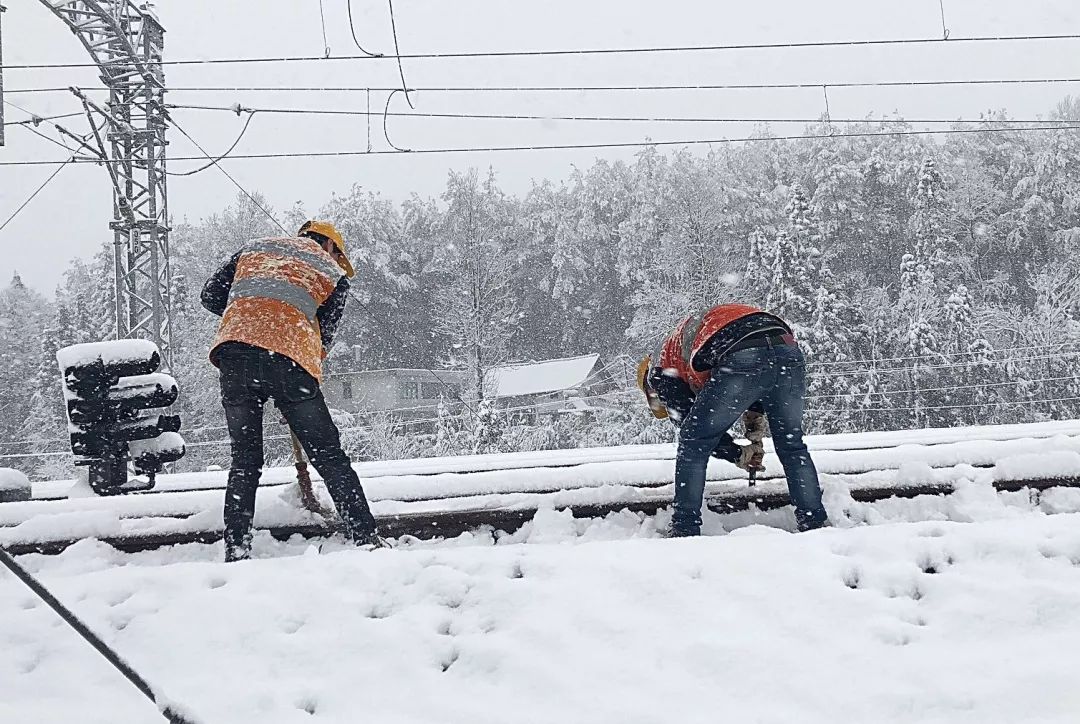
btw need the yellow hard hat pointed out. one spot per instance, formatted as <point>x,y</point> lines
<point>325,228</point>
<point>656,406</point>
<point>643,371</point>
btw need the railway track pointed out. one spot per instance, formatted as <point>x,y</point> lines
<point>450,523</point>
<point>445,497</point>
<point>840,453</point>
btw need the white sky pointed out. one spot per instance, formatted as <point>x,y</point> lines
<point>70,217</point>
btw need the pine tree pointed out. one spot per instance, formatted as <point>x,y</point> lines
<point>921,279</point>
<point>757,279</point>
<point>23,315</point>
<point>796,260</point>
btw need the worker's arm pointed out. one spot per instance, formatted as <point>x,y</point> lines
<point>676,395</point>
<point>329,314</point>
<point>215,293</point>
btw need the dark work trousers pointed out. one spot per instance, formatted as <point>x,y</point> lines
<point>775,375</point>
<point>249,377</point>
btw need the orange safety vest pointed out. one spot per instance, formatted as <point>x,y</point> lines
<point>279,285</point>
<point>679,349</point>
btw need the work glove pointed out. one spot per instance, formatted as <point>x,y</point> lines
<point>753,454</point>
<point>754,424</point>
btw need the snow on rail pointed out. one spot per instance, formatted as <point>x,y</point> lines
<point>601,477</point>
<point>883,450</point>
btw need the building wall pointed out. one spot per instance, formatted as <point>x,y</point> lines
<point>392,390</point>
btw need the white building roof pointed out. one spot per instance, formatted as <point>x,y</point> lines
<point>534,378</point>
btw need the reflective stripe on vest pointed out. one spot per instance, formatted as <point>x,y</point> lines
<point>320,263</point>
<point>278,289</point>
<point>690,330</point>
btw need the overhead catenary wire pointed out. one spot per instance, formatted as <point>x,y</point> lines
<point>352,30</point>
<point>397,56</point>
<point>60,167</point>
<point>634,87</point>
<point>322,22</point>
<point>647,50</point>
<point>64,132</point>
<point>37,120</point>
<point>586,146</point>
<point>215,162</point>
<point>645,119</point>
<point>230,149</point>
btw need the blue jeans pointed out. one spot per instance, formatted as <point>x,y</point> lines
<point>777,377</point>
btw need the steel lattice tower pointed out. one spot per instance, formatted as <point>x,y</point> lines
<point>126,40</point>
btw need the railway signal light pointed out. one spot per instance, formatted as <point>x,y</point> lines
<point>107,388</point>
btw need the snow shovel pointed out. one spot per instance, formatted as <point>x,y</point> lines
<point>303,480</point>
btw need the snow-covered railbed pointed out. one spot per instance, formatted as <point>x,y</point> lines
<point>841,453</point>
<point>579,620</point>
<point>445,503</point>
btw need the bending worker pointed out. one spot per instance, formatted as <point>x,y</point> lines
<point>714,367</point>
<point>280,301</point>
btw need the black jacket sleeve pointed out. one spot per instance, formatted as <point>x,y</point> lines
<point>215,293</point>
<point>676,395</point>
<point>330,311</point>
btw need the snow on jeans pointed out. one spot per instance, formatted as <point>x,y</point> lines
<point>777,377</point>
<point>249,377</point>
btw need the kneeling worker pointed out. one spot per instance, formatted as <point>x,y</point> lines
<point>715,366</point>
<point>280,301</point>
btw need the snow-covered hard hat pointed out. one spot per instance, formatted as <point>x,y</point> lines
<point>328,231</point>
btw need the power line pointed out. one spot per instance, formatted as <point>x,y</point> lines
<point>647,119</point>
<point>586,88</point>
<point>579,146</point>
<point>230,149</point>
<point>883,42</point>
<point>37,191</point>
<point>356,41</point>
<point>214,162</point>
<point>38,119</point>
<point>397,56</point>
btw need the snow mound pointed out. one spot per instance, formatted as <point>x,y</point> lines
<point>14,485</point>
<point>1051,464</point>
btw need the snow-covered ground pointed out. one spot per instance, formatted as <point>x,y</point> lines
<point>949,609</point>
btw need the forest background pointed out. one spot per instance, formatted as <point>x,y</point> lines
<point>933,281</point>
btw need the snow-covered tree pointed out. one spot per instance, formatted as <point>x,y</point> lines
<point>796,263</point>
<point>477,308</point>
